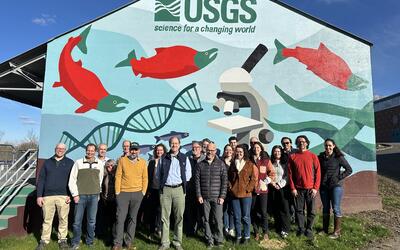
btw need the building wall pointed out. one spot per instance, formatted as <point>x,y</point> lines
<point>387,124</point>
<point>174,63</point>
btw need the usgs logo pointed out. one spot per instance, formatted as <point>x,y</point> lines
<point>210,11</point>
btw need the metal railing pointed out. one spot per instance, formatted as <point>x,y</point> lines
<point>15,164</point>
<point>19,182</point>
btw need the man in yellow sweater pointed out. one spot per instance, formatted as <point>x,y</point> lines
<point>130,187</point>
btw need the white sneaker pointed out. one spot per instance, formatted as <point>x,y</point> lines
<point>232,233</point>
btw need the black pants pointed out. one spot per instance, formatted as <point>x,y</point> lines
<point>304,199</point>
<point>279,201</point>
<point>153,210</point>
<point>193,216</point>
<point>259,204</point>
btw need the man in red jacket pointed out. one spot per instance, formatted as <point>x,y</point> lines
<point>304,179</point>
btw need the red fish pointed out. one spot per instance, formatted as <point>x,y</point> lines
<point>323,63</point>
<point>169,62</point>
<point>82,84</point>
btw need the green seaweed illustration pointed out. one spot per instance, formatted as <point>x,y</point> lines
<point>344,137</point>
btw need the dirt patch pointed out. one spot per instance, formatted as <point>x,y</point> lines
<point>389,217</point>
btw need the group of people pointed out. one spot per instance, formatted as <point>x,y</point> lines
<point>221,195</point>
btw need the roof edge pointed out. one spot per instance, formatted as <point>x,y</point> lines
<point>325,23</point>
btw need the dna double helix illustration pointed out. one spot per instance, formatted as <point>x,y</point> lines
<point>147,119</point>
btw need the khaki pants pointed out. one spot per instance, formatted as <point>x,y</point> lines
<point>172,198</point>
<point>50,205</point>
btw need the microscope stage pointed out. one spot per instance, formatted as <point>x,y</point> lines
<point>235,124</point>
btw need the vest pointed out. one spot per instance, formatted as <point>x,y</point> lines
<point>165,166</point>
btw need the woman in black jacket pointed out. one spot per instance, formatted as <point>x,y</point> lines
<point>331,190</point>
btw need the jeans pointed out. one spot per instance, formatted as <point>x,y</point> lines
<point>332,196</point>
<point>228,214</point>
<point>241,211</point>
<point>88,202</point>
<point>303,200</point>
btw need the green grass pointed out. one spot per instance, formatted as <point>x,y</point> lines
<point>356,233</point>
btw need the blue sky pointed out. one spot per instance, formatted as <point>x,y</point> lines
<point>27,24</point>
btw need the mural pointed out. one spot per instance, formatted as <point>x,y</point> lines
<point>81,83</point>
<point>171,62</point>
<point>207,71</point>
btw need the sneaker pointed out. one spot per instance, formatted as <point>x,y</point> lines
<point>42,245</point>
<point>178,247</point>
<point>74,247</point>
<point>284,234</point>
<point>266,237</point>
<point>163,247</point>
<point>334,235</point>
<point>246,241</point>
<point>232,233</point>
<point>238,241</point>
<point>63,244</point>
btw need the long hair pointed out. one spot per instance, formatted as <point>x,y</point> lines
<point>338,153</point>
<point>283,155</point>
<point>155,149</point>
<point>263,154</point>
<point>245,151</point>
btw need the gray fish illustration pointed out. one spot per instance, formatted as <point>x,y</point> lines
<point>144,149</point>
<point>187,147</point>
<point>166,137</point>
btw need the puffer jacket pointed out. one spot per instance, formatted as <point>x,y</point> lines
<point>331,175</point>
<point>211,180</point>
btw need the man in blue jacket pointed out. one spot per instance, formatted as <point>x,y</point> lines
<point>53,194</point>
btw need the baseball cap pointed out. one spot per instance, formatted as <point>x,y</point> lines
<point>134,145</point>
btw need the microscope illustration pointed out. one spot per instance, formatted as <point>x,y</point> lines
<point>238,93</point>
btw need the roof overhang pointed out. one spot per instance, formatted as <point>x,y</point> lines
<point>22,77</point>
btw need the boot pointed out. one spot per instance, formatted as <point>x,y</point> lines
<point>336,233</point>
<point>325,223</point>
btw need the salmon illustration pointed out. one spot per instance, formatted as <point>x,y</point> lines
<point>170,62</point>
<point>323,63</point>
<point>82,84</point>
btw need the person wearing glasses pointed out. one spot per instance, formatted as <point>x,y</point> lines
<point>332,161</point>
<point>304,179</point>
<point>131,182</point>
<point>192,218</point>
<point>53,194</point>
<point>287,150</point>
<point>211,183</point>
